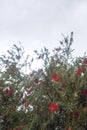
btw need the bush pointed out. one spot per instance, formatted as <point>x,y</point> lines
<point>53,97</point>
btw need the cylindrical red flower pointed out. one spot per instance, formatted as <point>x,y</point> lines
<point>55,77</point>
<point>36,81</point>
<point>75,114</point>
<point>26,104</point>
<point>85,61</point>
<point>84,92</point>
<point>6,90</point>
<point>11,91</point>
<point>53,107</point>
<point>79,71</point>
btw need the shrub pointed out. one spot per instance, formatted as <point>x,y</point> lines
<point>53,97</point>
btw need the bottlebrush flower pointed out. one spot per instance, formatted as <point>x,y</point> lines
<point>54,107</point>
<point>26,104</point>
<point>55,77</point>
<point>79,71</point>
<point>6,90</point>
<point>63,86</point>
<point>57,49</point>
<point>36,81</point>
<point>30,90</point>
<point>85,61</point>
<point>31,75</point>
<point>40,71</point>
<point>11,91</point>
<point>75,114</point>
<point>84,92</point>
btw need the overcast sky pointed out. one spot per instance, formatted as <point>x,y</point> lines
<point>38,23</point>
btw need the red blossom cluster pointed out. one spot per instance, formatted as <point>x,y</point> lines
<point>9,91</point>
<point>36,81</point>
<point>75,115</point>
<point>53,107</point>
<point>85,62</point>
<point>55,77</point>
<point>26,104</point>
<point>79,71</point>
<point>84,92</point>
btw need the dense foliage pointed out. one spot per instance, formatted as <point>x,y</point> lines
<point>54,97</point>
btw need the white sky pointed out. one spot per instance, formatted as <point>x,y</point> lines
<point>39,23</point>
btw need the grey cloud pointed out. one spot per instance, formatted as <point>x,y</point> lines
<point>41,21</point>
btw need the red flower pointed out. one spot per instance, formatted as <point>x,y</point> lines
<point>63,86</point>
<point>79,71</point>
<point>84,92</point>
<point>36,81</point>
<point>11,91</point>
<point>55,77</point>
<point>26,104</point>
<point>40,71</point>
<point>57,49</point>
<point>6,90</point>
<point>31,74</point>
<point>54,107</point>
<point>30,90</point>
<point>75,115</point>
<point>85,61</point>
